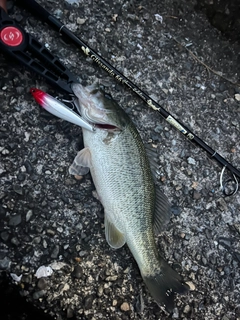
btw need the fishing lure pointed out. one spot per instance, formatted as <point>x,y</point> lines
<point>59,109</point>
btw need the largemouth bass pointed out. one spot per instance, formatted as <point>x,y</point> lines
<point>121,173</point>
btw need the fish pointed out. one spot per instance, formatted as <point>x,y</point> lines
<point>59,109</point>
<point>134,208</point>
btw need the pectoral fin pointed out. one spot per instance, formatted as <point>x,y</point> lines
<point>114,237</point>
<point>81,163</point>
<point>162,212</point>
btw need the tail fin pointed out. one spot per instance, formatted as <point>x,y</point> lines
<point>163,284</point>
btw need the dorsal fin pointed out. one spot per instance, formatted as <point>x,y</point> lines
<point>152,158</point>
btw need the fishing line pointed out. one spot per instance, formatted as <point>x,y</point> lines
<point>44,15</point>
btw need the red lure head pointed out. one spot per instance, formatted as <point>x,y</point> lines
<point>38,95</point>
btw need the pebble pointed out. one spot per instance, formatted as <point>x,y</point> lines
<point>176,210</point>
<point>191,161</point>
<point>15,241</point>
<point>39,294</point>
<point>237,96</point>
<point>187,309</point>
<point>28,166</point>
<point>21,177</point>
<point>114,303</point>
<point>81,20</point>
<point>15,221</point>
<point>55,252</point>
<point>88,302</point>
<point>42,284</point>
<point>77,272</point>
<point>100,291</point>
<point>5,263</point>
<point>58,13</point>
<point>175,314</point>
<point>222,204</point>
<point>125,306</point>
<point>196,195</point>
<point>191,285</point>
<point>50,232</point>
<point>4,235</point>
<point>29,215</point>
<point>111,278</point>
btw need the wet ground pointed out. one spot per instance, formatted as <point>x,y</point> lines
<point>191,66</point>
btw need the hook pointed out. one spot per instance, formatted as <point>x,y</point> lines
<point>224,186</point>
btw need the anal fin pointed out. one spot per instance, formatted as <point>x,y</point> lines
<point>114,237</point>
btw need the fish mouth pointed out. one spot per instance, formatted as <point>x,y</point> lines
<point>106,126</point>
<point>90,109</point>
<point>99,122</point>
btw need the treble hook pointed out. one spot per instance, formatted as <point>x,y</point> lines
<point>225,185</point>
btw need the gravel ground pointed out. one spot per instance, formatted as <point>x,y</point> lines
<point>48,218</point>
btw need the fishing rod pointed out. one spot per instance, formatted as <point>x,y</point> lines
<point>46,16</point>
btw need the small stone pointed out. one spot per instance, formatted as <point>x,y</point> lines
<point>55,252</point>
<point>28,166</point>
<point>114,303</point>
<point>100,291</point>
<point>15,221</point>
<point>36,240</point>
<point>176,210</point>
<point>58,13</point>
<point>191,161</point>
<point>5,151</point>
<point>4,235</point>
<point>111,278</point>
<point>175,314</point>
<point>29,215</point>
<point>38,294</point>
<point>88,302</point>
<point>15,241</point>
<point>196,195</point>
<point>125,306</point>
<point>27,278</point>
<point>5,263</point>
<point>187,309</point>
<point>237,96</point>
<point>42,284</point>
<point>222,204</point>
<point>18,189</point>
<point>21,177</point>
<point>191,285</point>
<point>43,272</point>
<point>50,232</point>
<point>77,272</point>
<point>81,21</point>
